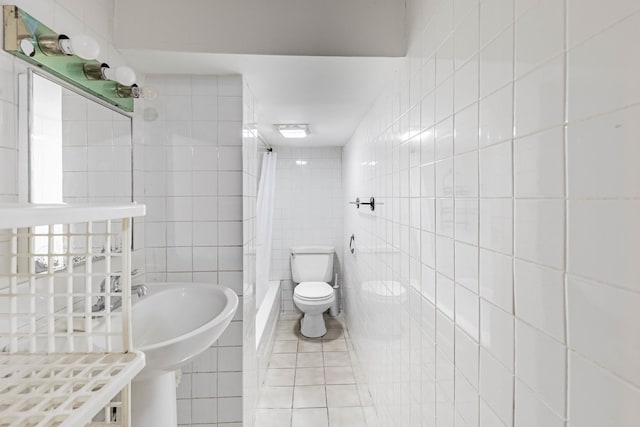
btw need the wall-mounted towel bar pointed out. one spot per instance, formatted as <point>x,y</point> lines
<point>371,203</point>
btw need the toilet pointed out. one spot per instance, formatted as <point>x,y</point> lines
<point>312,269</point>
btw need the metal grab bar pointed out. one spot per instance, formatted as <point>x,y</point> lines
<point>371,203</point>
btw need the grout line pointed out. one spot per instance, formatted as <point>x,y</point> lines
<point>565,415</point>
<point>513,217</point>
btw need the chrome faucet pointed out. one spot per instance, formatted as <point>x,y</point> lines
<point>114,286</point>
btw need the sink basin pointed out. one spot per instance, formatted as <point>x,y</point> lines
<point>175,322</point>
<point>172,324</point>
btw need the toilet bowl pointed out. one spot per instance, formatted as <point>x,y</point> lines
<point>311,269</point>
<point>313,299</point>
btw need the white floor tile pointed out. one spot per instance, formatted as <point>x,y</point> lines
<point>280,377</point>
<point>313,417</point>
<point>276,397</point>
<point>340,396</point>
<point>346,417</point>
<point>339,375</point>
<point>273,417</point>
<point>310,360</point>
<point>309,376</point>
<point>309,396</point>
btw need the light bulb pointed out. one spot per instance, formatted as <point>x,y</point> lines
<point>27,47</point>
<point>135,91</point>
<point>123,75</point>
<point>81,45</point>
<point>85,47</point>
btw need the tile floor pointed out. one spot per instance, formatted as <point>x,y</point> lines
<point>314,382</point>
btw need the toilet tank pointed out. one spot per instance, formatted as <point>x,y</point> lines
<point>312,263</point>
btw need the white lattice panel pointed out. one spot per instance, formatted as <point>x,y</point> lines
<point>61,389</point>
<point>54,278</point>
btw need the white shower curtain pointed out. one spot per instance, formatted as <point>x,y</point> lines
<point>264,224</point>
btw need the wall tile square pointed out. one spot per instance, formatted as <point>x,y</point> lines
<point>496,388</point>
<point>530,411</point>
<point>497,333</point>
<point>496,279</point>
<point>496,63</point>
<point>606,143</point>
<point>496,175</point>
<point>539,298</point>
<point>600,71</point>
<point>496,223</point>
<point>541,364</point>
<point>496,117</point>
<point>539,166</point>
<point>533,47</point>
<point>539,231</point>
<point>589,383</point>
<point>603,326</point>
<point>603,237</point>
<point>539,98</point>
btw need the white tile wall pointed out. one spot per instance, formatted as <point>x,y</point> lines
<point>187,238</point>
<point>307,208</point>
<point>97,152</point>
<point>520,296</point>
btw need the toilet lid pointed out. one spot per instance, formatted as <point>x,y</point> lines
<point>313,290</point>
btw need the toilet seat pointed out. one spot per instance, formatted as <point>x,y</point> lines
<point>313,291</point>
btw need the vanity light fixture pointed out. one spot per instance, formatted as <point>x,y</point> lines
<point>81,45</point>
<point>293,130</point>
<point>69,58</point>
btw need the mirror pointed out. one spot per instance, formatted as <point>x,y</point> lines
<point>80,151</point>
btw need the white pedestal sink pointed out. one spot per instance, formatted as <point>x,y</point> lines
<point>172,324</point>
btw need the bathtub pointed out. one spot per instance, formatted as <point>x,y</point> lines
<point>266,319</point>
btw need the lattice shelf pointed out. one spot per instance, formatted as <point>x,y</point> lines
<point>61,389</point>
<point>62,361</point>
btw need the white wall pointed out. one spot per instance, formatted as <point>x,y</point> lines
<point>193,228</point>
<point>307,208</point>
<point>498,285</point>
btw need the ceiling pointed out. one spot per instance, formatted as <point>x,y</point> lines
<point>259,27</point>
<point>331,94</point>
<point>306,61</point>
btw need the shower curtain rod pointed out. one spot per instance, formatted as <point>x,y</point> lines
<point>266,144</point>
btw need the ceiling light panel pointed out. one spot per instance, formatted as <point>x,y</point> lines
<point>293,130</point>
